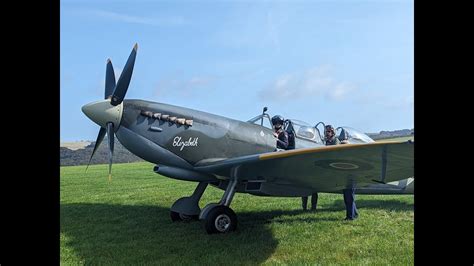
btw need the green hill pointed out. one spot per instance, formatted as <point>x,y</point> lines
<point>81,156</point>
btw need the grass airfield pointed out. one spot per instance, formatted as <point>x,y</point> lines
<point>126,221</point>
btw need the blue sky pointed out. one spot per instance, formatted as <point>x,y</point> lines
<point>342,62</point>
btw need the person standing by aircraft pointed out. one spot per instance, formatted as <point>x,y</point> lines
<point>349,201</point>
<point>280,133</point>
<point>314,202</point>
<point>348,193</point>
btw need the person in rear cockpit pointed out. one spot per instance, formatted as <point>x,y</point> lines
<point>330,136</point>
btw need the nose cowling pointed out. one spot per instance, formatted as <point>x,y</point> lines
<point>102,112</point>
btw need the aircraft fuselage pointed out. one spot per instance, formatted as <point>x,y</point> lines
<point>210,138</point>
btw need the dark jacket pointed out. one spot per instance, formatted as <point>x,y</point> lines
<point>291,140</point>
<point>282,141</point>
<point>333,141</point>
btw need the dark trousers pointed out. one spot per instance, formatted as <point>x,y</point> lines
<point>349,201</point>
<point>314,201</point>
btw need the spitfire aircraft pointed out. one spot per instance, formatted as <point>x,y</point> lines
<point>238,156</point>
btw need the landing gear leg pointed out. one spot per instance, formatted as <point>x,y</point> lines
<point>187,208</point>
<point>218,217</point>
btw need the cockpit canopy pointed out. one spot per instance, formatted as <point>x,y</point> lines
<point>352,135</point>
<point>305,131</point>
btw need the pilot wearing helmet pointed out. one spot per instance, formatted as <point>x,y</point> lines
<point>280,133</point>
<point>348,193</point>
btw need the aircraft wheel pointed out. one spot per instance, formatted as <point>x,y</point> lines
<point>221,219</point>
<point>176,217</point>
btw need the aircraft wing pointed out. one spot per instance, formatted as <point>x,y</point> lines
<point>327,168</point>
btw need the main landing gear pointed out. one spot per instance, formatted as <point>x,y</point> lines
<point>218,217</point>
<point>187,208</point>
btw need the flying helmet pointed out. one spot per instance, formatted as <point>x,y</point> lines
<point>278,119</point>
<point>329,128</point>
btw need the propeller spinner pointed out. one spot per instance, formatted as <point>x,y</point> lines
<point>108,113</point>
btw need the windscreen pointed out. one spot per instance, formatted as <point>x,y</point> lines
<point>305,131</point>
<point>353,135</point>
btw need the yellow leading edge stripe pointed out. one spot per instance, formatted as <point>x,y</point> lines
<point>281,154</point>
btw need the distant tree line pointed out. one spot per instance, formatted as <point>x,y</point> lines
<point>101,156</point>
<point>392,134</point>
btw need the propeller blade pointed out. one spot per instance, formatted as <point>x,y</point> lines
<point>109,80</point>
<point>124,80</point>
<point>110,135</point>
<point>100,137</point>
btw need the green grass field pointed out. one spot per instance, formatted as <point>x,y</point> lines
<point>127,222</point>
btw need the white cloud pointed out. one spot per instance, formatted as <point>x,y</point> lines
<point>340,91</point>
<point>151,21</point>
<point>312,82</point>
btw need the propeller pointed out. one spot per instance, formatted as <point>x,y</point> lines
<point>100,137</point>
<point>116,93</point>
<point>110,134</point>
<point>124,80</point>
<point>109,79</point>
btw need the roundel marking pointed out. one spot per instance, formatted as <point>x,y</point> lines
<point>344,166</point>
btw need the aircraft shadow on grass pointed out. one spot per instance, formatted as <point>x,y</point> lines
<point>102,233</point>
<point>385,204</point>
<point>108,234</point>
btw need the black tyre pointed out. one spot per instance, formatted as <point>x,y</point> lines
<point>176,217</point>
<point>221,219</point>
